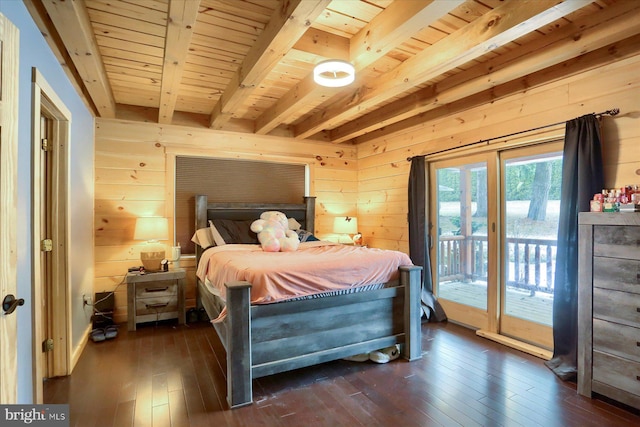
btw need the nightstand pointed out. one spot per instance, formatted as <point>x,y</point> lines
<point>155,296</point>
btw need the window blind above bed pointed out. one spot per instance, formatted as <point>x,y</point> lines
<point>224,180</point>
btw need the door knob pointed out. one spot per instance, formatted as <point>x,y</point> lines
<point>10,303</point>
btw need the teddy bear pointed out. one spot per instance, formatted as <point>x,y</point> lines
<point>274,234</point>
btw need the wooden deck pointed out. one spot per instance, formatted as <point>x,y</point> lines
<point>537,308</point>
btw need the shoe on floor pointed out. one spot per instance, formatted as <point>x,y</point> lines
<point>385,355</point>
<point>110,331</point>
<point>97,335</point>
<point>358,358</point>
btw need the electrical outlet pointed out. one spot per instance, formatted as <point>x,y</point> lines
<point>86,300</point>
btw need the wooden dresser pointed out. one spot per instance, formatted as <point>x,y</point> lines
<point>609,306</point>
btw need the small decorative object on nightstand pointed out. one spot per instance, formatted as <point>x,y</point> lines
<point>357,239</point>
<point>155,296</point>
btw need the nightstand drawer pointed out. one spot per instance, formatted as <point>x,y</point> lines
<point>161,288</point>
<point>156,305</point>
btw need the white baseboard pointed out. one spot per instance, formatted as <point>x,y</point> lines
<point>77,352</point>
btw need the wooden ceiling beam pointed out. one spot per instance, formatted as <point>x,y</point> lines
<point>72,23</point>
<point>394,25</point>
<point>423,123</point>
<point>48,30</point>
<point>496,28</point>
<point>315,42</point>
<point>180,23</point>
<point>578,38</point>
<point>285,27</point>
<point>323,44</point>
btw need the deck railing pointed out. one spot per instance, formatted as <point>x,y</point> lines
<point>531,261</point>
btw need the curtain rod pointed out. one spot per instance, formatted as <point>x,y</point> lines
<point>612,112</point>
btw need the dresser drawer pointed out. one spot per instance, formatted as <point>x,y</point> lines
<point>613,338</point>
<point>161,288</point>
<point>622,241</point>
<point>617,274</point>
<point>616,306</point>
<point>617,372</point>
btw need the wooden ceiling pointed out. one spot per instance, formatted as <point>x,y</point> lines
<point>246,65</point>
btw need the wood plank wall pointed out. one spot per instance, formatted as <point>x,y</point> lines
<point>134,169</point>
<point>134,177</point>
<point>609,78</point>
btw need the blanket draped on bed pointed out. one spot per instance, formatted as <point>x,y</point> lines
<point>315,268</point>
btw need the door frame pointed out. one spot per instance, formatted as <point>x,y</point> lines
<point>9,95</point>
<point>44,99</point>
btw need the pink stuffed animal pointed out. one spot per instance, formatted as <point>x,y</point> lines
<point>274,234</point>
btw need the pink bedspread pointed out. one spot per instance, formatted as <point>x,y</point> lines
<point>316,267</point>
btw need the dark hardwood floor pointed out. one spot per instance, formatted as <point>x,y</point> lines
<point>168,375</point>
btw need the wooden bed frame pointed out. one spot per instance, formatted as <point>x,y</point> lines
<point>261,340</point>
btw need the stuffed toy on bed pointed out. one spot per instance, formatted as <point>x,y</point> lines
<point>274,234</point>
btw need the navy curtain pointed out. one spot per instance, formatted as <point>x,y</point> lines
<point>418,238</point>
<point>582,177</point>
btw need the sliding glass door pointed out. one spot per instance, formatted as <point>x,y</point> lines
<point>462,248</point>
<point>494,223</point>
<point>530,184</point>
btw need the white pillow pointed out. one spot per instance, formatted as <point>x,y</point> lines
<point>202,237</point>
<point>217,238</point>
<point>293,224</point>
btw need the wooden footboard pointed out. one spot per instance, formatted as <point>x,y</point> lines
<point>266,339</point>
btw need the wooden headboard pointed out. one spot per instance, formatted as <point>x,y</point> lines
<point>304,212</point>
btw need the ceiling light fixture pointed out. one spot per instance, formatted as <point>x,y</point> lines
<point>334,73</point>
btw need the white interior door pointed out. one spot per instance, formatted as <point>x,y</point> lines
<point>9,44</point>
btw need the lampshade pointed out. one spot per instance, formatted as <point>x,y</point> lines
<point>334,73</point>
<point>345,225</point>
<point>152,228</point>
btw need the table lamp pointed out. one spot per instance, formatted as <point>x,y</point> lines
<point>347,228</point>
<point>152,229</point>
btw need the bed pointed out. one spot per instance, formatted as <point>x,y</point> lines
<point>265,339</point>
